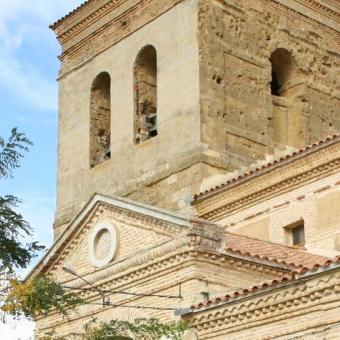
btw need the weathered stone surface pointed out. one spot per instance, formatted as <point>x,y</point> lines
<point>210,85</point>
<point>303,187</point>
<point>241,43</point>
<point>218,85</point>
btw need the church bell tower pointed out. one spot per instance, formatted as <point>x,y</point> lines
<point>159,98</point>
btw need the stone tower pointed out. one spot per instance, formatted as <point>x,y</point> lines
<point>158,97</point>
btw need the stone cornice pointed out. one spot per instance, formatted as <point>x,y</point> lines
<point>165,259</point>
<point>335,4</point>
<point>80,26</point>
<point>274,303</point>
<point>299,154</point>
<point>321,8</point>
<point>194,238</point>
<point>318,270</point>
<point>98,20</point>
<point>107,24</point>
<point>273,190</point>
<point>288,7</point>
<point>141,215</point>
<point>196,244</point>
<point>171,254</point>
<point>145,267</point>
<point>82,15</point>
<point>280,176</point>
<point>329,10</point>
<point>297,9</point>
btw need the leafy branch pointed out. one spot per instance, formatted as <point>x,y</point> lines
<point>38,297</point>
<point>13,227</point>
<point>143,329</point>
<point>13,253</point>
<point>11,151</point>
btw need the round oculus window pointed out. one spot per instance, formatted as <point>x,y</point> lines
<point>103,244</point>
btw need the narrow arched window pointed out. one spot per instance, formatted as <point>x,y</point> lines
<point>100,120</point>
<point>145,94</point>
<point>282,71</point>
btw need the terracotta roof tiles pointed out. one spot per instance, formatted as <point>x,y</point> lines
<point>236,294</point>
<point>284,255</point>
<point>277,162</point>
<point>85,3</point>
<point>266,285</point>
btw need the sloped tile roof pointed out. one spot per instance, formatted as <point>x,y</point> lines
<point>269,166</point>
<point>263,286</point>
<point>236,294</point>
<point>52,26</point>
<point>284,255</point>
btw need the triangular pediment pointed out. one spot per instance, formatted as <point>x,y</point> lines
<point>108,231</point>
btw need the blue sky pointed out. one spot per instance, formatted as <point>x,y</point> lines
<point>28,100</point>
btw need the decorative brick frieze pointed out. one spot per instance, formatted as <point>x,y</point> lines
<point>215,65</point>
<point>117,19</point>
<point>287,299</point>
<point>276,178</point>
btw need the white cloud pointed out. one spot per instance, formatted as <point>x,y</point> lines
<point>25,82</point>
<point>23,79</point>
<point>41,10</point>
<point>20,77</point>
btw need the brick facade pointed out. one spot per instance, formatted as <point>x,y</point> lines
<point>225,105</point>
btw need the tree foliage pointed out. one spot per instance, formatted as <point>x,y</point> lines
<point>37,297</point>
<point>13,228</point>
<point>11,151</point>
<point>40,296</point>
<point>141,329</point>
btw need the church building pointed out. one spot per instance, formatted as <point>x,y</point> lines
<point>198,167</point>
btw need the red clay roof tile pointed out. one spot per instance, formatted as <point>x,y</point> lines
<point>262,286</point>
<point>268,166</point>
<point>268,251</point>
<point>52,26</point>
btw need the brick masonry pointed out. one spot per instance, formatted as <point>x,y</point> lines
<point>216,113</point>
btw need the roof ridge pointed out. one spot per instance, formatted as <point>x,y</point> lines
<point>85,3</point>
<point>276,260</point>
<point>304,259</point>
<point>272,243</point>
<point>331,139</point>
<point>265,285</point>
